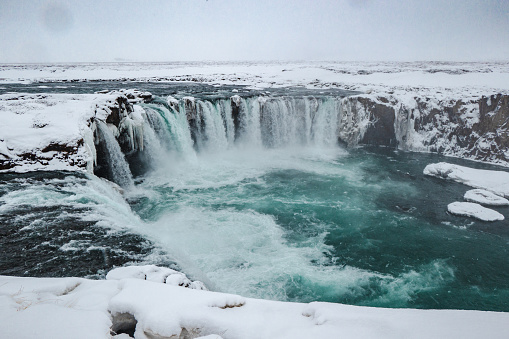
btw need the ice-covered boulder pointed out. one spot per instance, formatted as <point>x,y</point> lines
<point>156,274</point>
<point>470,209</point>
<point>494,181</point>
<point>484,197</point>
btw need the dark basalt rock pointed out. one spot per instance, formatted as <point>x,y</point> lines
<point>381,127</point>
<point>444,126</point>
<point>120,109</point>
<point>235,104</point>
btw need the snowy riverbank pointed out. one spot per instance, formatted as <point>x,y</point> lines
<point>81,308</point>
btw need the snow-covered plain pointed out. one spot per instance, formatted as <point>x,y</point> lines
<point>136,299</point>
<point>469,78</point>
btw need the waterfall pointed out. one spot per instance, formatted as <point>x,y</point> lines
<point>171,127</point>
<point>213,125</point>
<point>118,168</point>
<point>325,122</point>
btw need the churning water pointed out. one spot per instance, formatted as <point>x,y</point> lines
<point>252,195</point>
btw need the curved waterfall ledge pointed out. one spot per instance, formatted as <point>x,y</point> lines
<point>86,132</point>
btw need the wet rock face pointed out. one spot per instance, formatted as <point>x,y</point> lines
<point>235,104</point>
<point>485,137</point>
<point>119,110</point>
<point>380,131</point>
<point>475,129</point>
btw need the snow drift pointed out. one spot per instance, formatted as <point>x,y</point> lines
<point>139,304</point>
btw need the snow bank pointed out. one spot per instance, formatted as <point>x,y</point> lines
<point>56,131</point>
<point>81,308</point>
<point>155,274</point>
<point>493,181</point>
<point>484,197</point>
<point>474,210</point>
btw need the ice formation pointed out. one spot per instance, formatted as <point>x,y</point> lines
<point>484,197</point>
<point>474,210</point>
<point>493,181</point>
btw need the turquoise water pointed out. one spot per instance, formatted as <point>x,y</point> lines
<point>362,227</point>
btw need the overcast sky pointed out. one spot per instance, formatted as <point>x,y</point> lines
<point>188,30</point>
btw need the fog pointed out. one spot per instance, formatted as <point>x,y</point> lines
<point>194,30</point>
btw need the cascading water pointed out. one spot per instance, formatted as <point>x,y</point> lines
<point>262,122</point>
<point>118,167</point>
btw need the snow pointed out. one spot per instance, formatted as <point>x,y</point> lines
<point>33,126</point>
<point>485,77</point>
<point>56,131</point>
<point>81,308</point>
<point>496,182</point>
<point>156,274</point>
<point>474,210</point>
<point>484,197</point>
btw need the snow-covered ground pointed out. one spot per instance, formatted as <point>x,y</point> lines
<point>137,299</point>
<point>471,79</point>
<point>54,129</point>
<point>54,132</point>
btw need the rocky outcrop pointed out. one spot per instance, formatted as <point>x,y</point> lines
<point>367,120</point>
<point>58,131</point>
<point>475,128</point>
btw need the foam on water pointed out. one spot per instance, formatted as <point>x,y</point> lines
<point>60,224</point>
<point>246,252</point>
<point>218,216</point>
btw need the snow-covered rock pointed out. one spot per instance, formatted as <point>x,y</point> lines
<point>493,181</point>
<point>484,197</point>
<point>470,209</point>
<point>80,308</point>
<point>467,126</point>
<point>134,95</point>
<point>155,274</point>
<point>57,131</point>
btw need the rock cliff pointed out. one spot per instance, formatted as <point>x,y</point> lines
<point>472,128</point>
